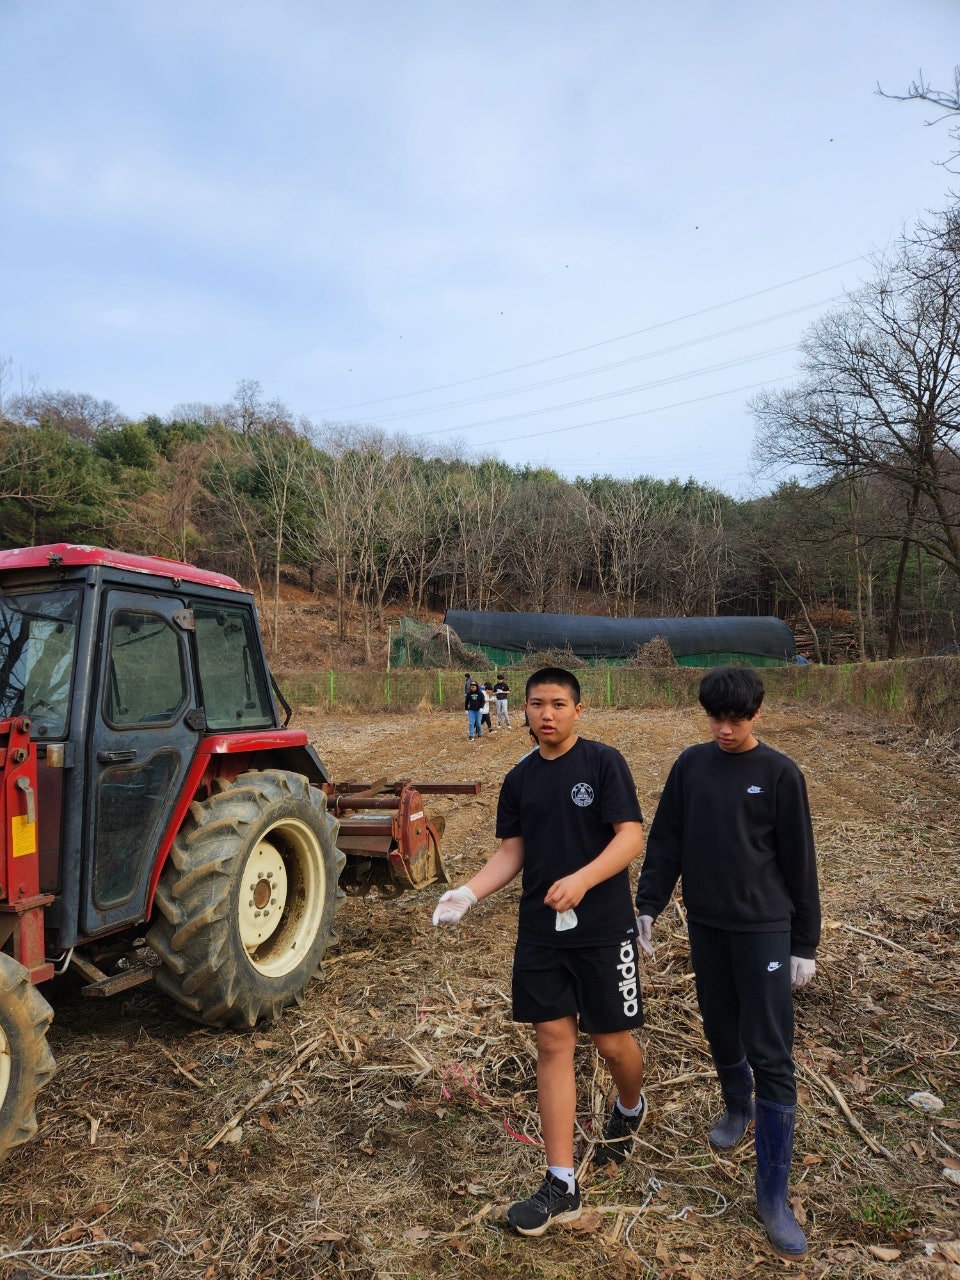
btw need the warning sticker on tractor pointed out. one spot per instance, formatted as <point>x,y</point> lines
<point>24,833</point>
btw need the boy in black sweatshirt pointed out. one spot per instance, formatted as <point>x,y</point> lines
<point>733,824</point>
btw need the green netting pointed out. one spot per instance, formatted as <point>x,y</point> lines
<point>508,657</point>
<point>419,644</point>
<point>425,645</point>
<point>722,659</point>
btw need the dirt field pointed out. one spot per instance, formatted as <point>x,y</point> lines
<point>379,1130</point>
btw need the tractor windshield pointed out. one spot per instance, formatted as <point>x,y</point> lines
<point>38,632</point>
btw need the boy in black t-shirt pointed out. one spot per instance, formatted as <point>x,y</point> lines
<point>733,823</point>
<point>569,819</point>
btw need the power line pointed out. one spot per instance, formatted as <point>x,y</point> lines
<point>614,395</point>
<point>406,415</point>
<point>563,355</point>
<point>639,413</point>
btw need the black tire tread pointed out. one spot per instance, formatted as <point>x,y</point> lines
<point>26,1017</point>
<point>194,915</point>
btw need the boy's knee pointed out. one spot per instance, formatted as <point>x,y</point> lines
<point>555,1038</point>
<point>620,1047</point>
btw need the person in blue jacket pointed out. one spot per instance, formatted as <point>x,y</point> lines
<point>473,704</point>
<point>733,825</point>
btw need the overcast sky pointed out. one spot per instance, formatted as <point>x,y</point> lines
<point>563,233</point>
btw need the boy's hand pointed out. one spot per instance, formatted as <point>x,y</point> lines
<point>801,971</point>
<point>645,935</point>
<point>566,893</point>
<point>454,905</point>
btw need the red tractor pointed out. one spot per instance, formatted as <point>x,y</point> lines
<point>151,789</point>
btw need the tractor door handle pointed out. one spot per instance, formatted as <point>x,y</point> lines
<point>115,757</point>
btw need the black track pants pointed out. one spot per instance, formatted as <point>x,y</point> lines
<point>743,989</point>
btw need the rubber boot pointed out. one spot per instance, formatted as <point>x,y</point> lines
<point>774,1135</point>
<point>736,1085</point>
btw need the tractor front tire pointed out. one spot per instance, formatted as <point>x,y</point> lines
<point>245,905</point>
<point>26,1063</point>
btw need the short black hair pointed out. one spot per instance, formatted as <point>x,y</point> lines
<point>554,675</point>
<point>736,692</point>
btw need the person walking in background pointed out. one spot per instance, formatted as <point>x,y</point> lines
<point>467,681</point>
<point>733,824</point>
<point>487,700</point>
<point>501,692</point>
<point>568,818</point>
<point>473,705</point>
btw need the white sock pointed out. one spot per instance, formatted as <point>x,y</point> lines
<point>565,1175</point>
<point>630,1111</point>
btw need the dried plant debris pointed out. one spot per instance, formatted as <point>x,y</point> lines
<point>381,1129</point>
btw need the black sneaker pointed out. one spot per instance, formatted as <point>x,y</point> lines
<point>619,1135</point>
<point>552,1202</point>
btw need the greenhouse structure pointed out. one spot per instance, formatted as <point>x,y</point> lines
<point>694,642</point>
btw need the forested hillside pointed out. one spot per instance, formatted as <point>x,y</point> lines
<point>862,558</point>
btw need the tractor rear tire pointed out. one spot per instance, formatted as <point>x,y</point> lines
<point>26,1063</point>
<point>245,905</point>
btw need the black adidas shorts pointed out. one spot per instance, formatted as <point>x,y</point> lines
<point>598,985</point>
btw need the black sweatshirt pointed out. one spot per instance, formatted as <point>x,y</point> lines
<point>735,828</point>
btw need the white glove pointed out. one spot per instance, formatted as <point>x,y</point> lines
<point>801,971</point>
<point>454,905</point>
<point>644,927</point>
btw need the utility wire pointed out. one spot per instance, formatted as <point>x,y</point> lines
<point>615,395</point>
<point>639,413</point>
<point>531,364</point>
<point>404,415</point>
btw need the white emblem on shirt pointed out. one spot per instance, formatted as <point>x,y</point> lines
<point>754,791</point>
<point>773,966</point>
<point>582,794</point>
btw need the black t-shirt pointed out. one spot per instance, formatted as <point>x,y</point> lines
<point>564,809</point>
<point>735,827</point>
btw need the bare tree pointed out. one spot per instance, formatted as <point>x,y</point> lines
<point>360,519</point>
<point>6,375</point>
<point>78,414</point>
<point>164,519</point>
<point>627,522</point>
<point>478,494</point>
<point>540,521</point>
<point>697,553</point>
<point>946,101</point>
<point>880,394</point>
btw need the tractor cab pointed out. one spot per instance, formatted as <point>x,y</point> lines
<point>121,665</point>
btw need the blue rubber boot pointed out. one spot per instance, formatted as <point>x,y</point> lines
<point>736,1085</point>
<point>774,1135</point>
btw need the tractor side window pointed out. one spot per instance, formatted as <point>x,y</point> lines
<point>232,676</point>
<point>147,681</point>
<point>38,632</point>
<point>130,804</point>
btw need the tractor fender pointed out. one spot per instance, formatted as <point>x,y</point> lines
<point>224,756</point>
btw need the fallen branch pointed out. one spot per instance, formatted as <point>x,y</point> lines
<point>265,1090</point>
<point>877,937</point>
<point>183,1070</point>
<point>854,1123</point>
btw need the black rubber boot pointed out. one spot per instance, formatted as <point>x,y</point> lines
<point>736,1085</point>
<point>774,1135</point>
